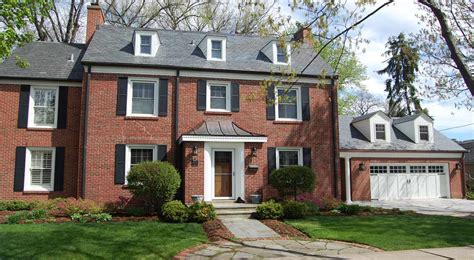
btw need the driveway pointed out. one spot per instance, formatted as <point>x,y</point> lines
<point>447,207</point>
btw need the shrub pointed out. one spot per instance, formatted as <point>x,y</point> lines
<point>156,182</point>
<point>269,210</point>
<point>71,206</point>
<point>38,214</point>
<point>328,203</point>
<point>101,217</point>
<point>136,212</point>
<point>175,211</point>
<point>294,209</point>
<point>16,205</point>
<point>201,212</point>
<point>17,217</point>
<point>91,217</point>
<point>311,208</point>
<point>470,195</point>
<point>292,180</point>
<point>353,209</point>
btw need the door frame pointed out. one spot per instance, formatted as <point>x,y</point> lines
<point>213,172</point>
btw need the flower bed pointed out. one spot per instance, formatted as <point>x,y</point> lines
<point>283,229</point>
<point>216,231</point>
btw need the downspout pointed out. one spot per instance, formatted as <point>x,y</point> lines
<point>335,136</point>
<point>84,139</point>
<point>177,150</point>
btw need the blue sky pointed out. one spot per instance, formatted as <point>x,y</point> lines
<point>393,19</point>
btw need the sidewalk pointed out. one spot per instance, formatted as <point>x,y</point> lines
<point>466,252</point>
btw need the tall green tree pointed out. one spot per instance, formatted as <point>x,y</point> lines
<point>402,66</point>
<point>14,17</point>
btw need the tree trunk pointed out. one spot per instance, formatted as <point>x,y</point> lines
<point>453,49</point>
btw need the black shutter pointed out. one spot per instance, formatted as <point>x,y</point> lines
<point>235,97</point>
<point>305,103</point>
<point>62,107</point>
<point>163,100</point>
<point>119,164</point>
<point>307,157</point>
<point>122,86</point>
<point>201,95</point>
<point>271,160</point>
<point>23,107</point>
<point>271,102</point>
<point>162,153</point>
<point>59,169</point>
<point>19,178</point>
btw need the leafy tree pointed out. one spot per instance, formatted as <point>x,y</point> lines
<point>14,17</point>
<point>359,102</point>
<point>402,67</point>
<point>293,180</point>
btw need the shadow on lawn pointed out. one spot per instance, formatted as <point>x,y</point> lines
<point>111,240</point>
<point>393,232</point>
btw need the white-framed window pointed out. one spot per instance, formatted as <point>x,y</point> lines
<point>288,103</point>
<point>43,108</point>
<point>281,54</point>
<point>142,97</point>
<point>424,133</point>
<point>136,154</point>
<point>39,169</point>
<point>218,96</point>
<point>286,156</point>
<point>145,44</point>
<point>380,132</point>
<point>216,48</point>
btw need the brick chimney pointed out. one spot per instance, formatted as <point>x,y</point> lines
<point>303,34</point>
<point>95,17</point>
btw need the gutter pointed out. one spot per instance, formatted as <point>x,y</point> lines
<point>84,140</point>
<point>335,137</point>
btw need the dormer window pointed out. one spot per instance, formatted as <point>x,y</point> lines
<point>424,133</point>
<point>145,44</point>
<point>379,131</point>
<point>281,54</point>
<point>216,48</point>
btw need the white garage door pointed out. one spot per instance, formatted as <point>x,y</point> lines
<point>408,181</point>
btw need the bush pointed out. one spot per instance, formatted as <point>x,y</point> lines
<point>470,195</point>
<point>294,209</point>
<point>328,203</point>
<point>353,209</point>
<point>269,210</point>
<point>175,211</point>
<point>16,205</point>
<point>156,182</point>
<point>136,212</point>
<point>311,208</point>
<point>91,217</point>
<point>38,214</point>
<point>292,180</point>
<point>201,212</point>
<point>17,217</point>
<point>71,206</point>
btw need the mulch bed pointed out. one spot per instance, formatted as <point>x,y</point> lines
<point>216,231</point>
<point>283,229</point>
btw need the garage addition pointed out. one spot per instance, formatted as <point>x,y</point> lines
<point>385,158</point>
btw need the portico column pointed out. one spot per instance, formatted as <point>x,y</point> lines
<point>347,174</point>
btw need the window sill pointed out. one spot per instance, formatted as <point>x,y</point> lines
<point>47,129</point>
<point>281,122</point>
<point>155,118</point>
<point>217,113</point>
<point>125,187</point>
<point>37,192</point>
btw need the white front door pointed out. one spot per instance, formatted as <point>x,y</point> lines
<point>224,172</point>
<point>409,181</point>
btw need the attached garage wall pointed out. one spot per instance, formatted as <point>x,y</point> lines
<point>360,180</point>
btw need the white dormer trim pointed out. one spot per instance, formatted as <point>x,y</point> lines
<point>412,128</point>
<point>155,43</point>
<point>288,54</point>
<point>367,127</point>
<point>209,40</point>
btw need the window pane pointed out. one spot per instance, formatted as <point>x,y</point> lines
<point>424,135</point>
<point>46,176</point>
<point>216,54</point>
<point>41,167</point>
<point>281,55</point>
<point>218,97</point>
<point>44,106</point>
<point>145,44</point>
<point>287,103</point>
<point>380,131</point>
<point>216,49</point>
<point>216,45</point>
<point>35,176</point>
<point>287,111</point>
<point>288,158</point>
<point>143,98</point>
<point>140,155</point>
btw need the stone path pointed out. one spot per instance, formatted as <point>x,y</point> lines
<point>277,249</point>
<point>244,228</point>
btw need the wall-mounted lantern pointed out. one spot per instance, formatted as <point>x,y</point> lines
<point>194,159</point>
<point>253,162</point>
<point>361,166</point>
<point>458,166</point>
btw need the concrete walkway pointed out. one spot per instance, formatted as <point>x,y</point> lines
<point>292,249</point>
<point>446,207</point>
<point>244,228</point>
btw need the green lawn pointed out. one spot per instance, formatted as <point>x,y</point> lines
<point>125,240</point>
<point>391,232</point>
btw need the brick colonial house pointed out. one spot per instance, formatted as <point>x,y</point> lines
<point>79,117</point>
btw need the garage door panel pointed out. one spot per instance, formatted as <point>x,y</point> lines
<point>402,186</point>
<point>422,186</point>
<point>383,187</point>
<point>392,186</point>
<point>432,184</point>
<point>374,187</point>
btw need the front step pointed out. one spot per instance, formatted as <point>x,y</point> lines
<point>230,209</point>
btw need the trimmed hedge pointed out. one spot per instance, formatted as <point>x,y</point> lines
<point>293,180</point>
<point>201,212</point>
<point>269,210</point>
<point>294,209</point>
<point>175,211</point>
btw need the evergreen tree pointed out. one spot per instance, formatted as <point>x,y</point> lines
<point>402,67</point>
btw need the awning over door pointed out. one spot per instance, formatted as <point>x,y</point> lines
<point>221,131</point>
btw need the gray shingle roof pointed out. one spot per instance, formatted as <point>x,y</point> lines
<point>366,116</point>
<point>469,146</point>
<point>404,119</point>
<point>48,60</point>
<point>220,128</point>
<point>350,138</point>
<point>113,45</point>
